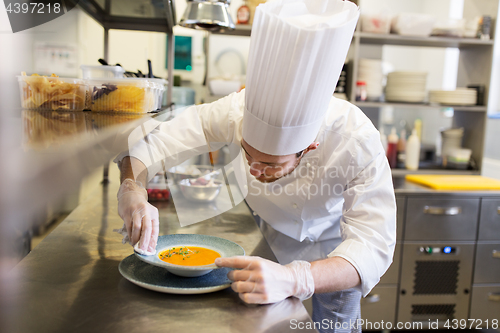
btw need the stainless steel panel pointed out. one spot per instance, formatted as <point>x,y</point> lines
<point>392,274</point>
<point>70,281</point>
<point>441,219</point>
<point>378,305</point>
<point>401,204</point>
<point>435,295</point>
<point>485,304</point>
<point>487,267</point>
<point>489,223</point>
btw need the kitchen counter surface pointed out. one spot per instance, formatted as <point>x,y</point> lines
<point>70,282</point>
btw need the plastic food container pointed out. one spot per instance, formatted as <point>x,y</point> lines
<point>160,87</point>
<point>157,189</point>
<point>52,93</point>
<point>379,24</point>
<point>98,72</point>
<point>122,95</point>
<point>413,24</point>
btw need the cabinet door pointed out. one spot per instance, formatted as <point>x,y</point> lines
<point>401,205</point>
<point>487,268</point>
<point>489,225</point>
<point>441,219</point>
<point>378,305</point>
<point>485,304</point>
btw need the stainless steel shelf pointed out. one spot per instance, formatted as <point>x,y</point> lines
<point>474,108</point>
<point>432,41</point>
<point>240,30</point>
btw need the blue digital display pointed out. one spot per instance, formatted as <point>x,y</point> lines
<point>447,249</point>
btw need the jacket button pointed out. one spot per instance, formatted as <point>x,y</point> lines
<point>295,206</point>
<point>254,214</point>
<point>308,164</point>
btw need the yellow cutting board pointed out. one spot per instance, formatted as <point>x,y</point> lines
<point>455,182</point>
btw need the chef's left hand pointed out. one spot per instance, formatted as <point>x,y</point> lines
<point>262,281</point>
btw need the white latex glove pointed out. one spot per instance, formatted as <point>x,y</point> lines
<point>263,281</point>
<point>141,220</point>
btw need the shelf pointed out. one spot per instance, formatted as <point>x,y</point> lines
<point>240,30</point>
<point>474,108</point>
<point>432,41</point>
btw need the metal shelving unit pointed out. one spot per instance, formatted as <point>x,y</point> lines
<point>156,16</point>
<point>474,67</point>
<point>474,108</point>
<point>432,41</point>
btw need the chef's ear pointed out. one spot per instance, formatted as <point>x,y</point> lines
<point>312,146</point>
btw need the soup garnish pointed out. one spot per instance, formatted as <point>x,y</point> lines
<point>189,256</point>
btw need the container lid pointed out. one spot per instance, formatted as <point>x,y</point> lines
<point>138,82</point>
<point>116,69</point>
<point>50,78</point>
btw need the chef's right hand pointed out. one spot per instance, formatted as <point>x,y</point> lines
<point>140,217</point>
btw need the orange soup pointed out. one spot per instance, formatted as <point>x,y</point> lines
<point>189,256</point>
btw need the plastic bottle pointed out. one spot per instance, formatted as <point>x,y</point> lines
<point>383,139</point>
<point>402,146</point>
<point>418,128</point>
<point>392,149</point>
<point>361,92</point>
<point>412,151</point>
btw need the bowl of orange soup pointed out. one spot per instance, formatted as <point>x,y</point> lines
<point>191,255</point>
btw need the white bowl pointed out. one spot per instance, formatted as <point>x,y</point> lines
<point>224,247</point>
<point>200,193</point>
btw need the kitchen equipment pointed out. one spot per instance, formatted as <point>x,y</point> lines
<point>459,96</point>
<point>379,24</point>
<point>200,193</point>
<point>370,72</point>
<point>122,95</point>
<point>405,86</point>
<point>224,247</point>
<point>480,88</point>
<point>455,182</point>
<point>178,173</point>
<point>99,72</point>
<point>157,279</point>
<point>457,159</point>
<point>181,96</point>
<point>210,15</point>
<point>451,139</point>
<point>413,24</point>
<point>52,93</point>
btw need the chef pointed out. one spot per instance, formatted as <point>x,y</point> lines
<point>318,180</point>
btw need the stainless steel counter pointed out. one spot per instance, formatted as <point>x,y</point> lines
<point>70,281</point>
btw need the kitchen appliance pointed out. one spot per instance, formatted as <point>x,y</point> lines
<point>208,15</point>
<point>435,281</point>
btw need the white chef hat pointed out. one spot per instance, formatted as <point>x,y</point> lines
<point>297,51</point>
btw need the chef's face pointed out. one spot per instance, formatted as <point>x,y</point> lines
<point>268,168</point>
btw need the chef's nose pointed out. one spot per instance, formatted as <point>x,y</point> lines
<point>256,172</point>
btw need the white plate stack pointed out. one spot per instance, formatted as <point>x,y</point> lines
<point>370,71</point>
<point>460,96</point>
<point>406,87</point>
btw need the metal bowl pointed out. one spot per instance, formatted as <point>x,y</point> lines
<point>199,193</point>
<point>178,176</point>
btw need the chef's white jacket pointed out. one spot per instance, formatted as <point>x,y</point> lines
<point>339,201</point>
